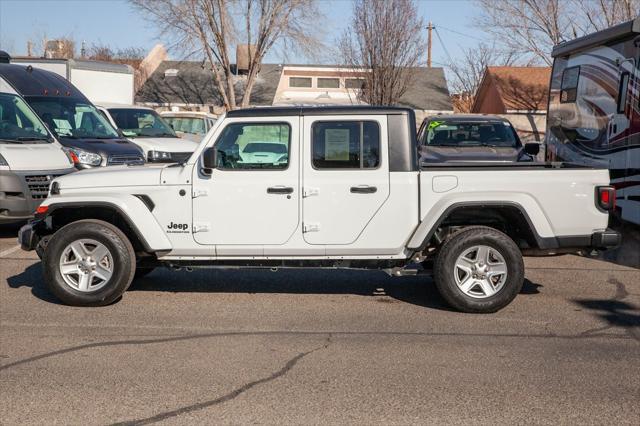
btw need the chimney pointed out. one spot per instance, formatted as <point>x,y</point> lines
<point>59,49</point>
<point>242,57</point>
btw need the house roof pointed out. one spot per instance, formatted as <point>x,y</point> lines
<point>520,88</point>
<point>194,84</point>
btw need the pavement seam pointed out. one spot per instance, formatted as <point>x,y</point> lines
<point>229,396</point>
<point>9,251</point>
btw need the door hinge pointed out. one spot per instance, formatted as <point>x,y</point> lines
<point>200,193</point>
<point>200,227</point>
<point>308,192</point>
<point>310,227</point>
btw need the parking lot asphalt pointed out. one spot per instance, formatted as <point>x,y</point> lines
<point>331,347</point>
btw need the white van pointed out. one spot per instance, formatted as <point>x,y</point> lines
<point>30,157</point>
<point>144,127</point>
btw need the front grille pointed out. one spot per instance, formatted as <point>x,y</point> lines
<point>180,157</point>
<point>39,185</point>
<point>129,159</point>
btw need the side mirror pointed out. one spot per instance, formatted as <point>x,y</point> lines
<point>209,160</point>
<point>120,133</point>
<point>532,148</point>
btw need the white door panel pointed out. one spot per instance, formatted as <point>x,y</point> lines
<point>338,203</point>
<point>248,207</point>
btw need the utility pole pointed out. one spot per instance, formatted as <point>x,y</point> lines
<point>429,29</point>
<point>29,48</point>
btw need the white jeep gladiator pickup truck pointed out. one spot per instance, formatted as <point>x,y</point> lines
<point>329,187</point>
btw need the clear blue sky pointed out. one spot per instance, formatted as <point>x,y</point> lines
<point>117,24</point>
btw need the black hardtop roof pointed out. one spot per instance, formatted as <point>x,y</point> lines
<point>620,31</point>
<point>30,81</point>
<point>466,117</point>
<point>323,110</point>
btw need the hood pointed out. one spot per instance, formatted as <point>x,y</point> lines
<point>165,144</point>
<point>102,146</point>
<point>113,176</point>
<point>456,154</point>
<point>42,156</point>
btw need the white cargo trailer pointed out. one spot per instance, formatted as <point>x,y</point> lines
<point>101,82</point>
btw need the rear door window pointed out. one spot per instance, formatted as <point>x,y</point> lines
<point>345,145</point>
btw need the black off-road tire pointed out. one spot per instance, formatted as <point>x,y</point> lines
<point>120,248</point>
<point>456,245</point>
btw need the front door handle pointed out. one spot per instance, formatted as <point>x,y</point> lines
<point>279,190</point>
<point>364,189</point>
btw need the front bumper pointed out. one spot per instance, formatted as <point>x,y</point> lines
<point>21,192</point>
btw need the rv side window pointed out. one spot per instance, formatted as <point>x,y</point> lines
<point>569,88</point>
<point>622,92</point>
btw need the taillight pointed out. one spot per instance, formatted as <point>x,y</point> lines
<point>606,198</point>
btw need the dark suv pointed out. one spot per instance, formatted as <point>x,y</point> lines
<point>462,138</point>
<point>72,118</point>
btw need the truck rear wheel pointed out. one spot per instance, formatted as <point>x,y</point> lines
<point>88,263</point>
<point>479,270</point>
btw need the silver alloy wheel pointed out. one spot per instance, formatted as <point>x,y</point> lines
<point>86,265</point>
<point>480,272</point>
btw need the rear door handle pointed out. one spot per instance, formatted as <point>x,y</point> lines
<point>279,190</point>
<point>364,189</point>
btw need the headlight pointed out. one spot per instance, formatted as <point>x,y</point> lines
<point>158,156</point>
<point>85,157</point>
<point>3,162</point>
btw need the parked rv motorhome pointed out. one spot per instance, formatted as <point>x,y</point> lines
<point>594,111</point>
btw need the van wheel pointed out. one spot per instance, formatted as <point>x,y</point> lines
<point>479,270</point>
<point>88,263</point>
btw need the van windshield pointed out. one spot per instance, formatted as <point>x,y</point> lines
<point>473,133</point>
<point>193,125</point>
<point>72,118</point>
<point>18,123</point>
<point>141,123</point>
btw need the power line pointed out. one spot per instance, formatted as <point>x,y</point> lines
<point>444,47</point>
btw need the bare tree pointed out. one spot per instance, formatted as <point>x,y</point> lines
<point>465,73</point>
<point>533,27</point>
<point>529,27</point>
<point>596,15</point>
<point>211,27</point>
<point>384,42</point>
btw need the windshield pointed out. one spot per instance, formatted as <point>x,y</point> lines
<point>141,123</point>
<point>191,125</point>
<point>475,133</point>
<point>18,123</point>
<point>71,118</point>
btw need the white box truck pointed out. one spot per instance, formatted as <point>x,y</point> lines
<point>99,81</point>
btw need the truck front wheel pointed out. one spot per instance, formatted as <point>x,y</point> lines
<point>479,270</point>
<point>88,263</point>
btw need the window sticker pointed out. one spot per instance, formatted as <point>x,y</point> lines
<point>336,145</point>
<point>434,124</point>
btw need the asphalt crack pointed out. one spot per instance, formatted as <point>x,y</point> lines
<point>140,342</point>
<point>229,396</point>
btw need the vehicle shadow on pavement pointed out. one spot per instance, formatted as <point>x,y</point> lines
<point>32,277</point>
<point>10,230</point>
<point>416,290</point>
<point>615,312</point>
